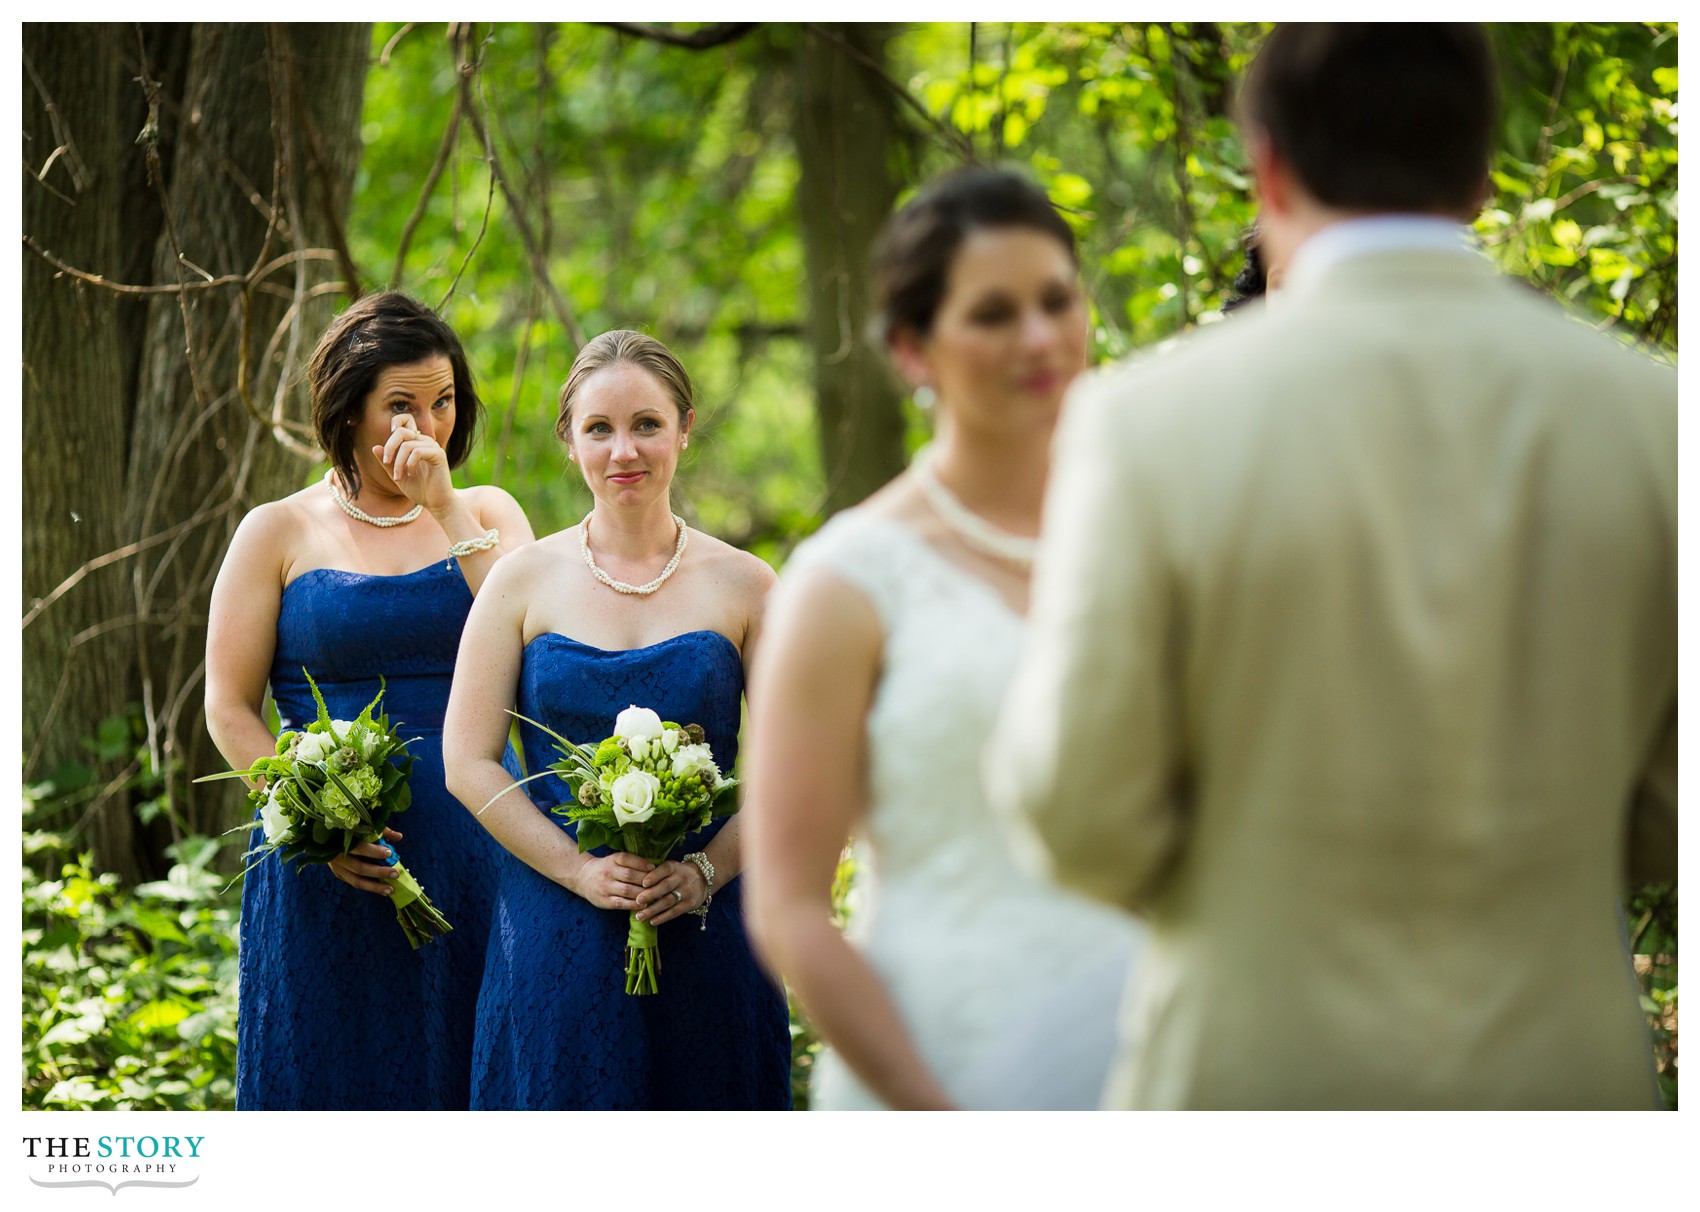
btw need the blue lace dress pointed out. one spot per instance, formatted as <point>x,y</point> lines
<point>556,1029</point>
<point>335,1011</point>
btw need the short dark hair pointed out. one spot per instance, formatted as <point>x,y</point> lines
<point>624,347</point>
<point>1378,116</point>
<point>377,331</point>
<point>1252,282</point>
<point>913,255</point>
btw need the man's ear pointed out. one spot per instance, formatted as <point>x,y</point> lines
<point>1273,178</point>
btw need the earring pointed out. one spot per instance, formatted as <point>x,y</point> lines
<point>925,397</point>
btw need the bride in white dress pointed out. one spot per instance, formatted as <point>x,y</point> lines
<point>965,981</point>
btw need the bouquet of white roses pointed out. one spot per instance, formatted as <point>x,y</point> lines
<point>331,786</point>
<point>641,790</point>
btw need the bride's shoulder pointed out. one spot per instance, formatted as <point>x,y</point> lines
<point>864,551</point>
<point>864,534</point>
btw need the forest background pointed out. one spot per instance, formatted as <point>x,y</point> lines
<point>200,199</point>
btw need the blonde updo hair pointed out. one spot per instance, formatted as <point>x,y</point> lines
<point>622,345</point>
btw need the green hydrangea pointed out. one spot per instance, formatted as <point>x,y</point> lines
<point>365,785</point>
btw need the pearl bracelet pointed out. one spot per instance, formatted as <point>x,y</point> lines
<point>707,868</point>
<point>466,547</point>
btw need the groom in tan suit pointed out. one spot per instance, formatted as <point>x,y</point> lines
<point>1353,652</point>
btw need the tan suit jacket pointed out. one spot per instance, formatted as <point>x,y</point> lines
<point>1352,667</point>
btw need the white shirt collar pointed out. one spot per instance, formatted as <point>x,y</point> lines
<point>1377,234</point>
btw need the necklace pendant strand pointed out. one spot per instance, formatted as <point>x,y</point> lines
<point>642,591</point>
<point>360,515</point>
<point>967,525</point>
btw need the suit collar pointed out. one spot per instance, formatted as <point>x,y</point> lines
<point>1373,235</point>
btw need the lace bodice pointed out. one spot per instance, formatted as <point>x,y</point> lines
<point>967,941</point>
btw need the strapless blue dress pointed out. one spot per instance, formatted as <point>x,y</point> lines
<point>556,1029</point>
<point>335,1011</point>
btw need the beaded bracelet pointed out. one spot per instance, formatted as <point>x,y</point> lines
<point>466,547</point>
<point>707,868</point>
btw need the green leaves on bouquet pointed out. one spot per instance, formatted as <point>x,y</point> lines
<point>331,786</point>
<point>641,790</point>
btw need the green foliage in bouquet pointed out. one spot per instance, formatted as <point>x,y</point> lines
<point>683,803</point>
<point>330,787</point>
<point>642,791</point>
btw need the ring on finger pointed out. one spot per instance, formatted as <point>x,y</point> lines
<point>678,897</point>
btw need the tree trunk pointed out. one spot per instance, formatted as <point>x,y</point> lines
<point>846,134</point>
<point>75,409</point>
<point>200,456</point>
<point>256,135</point>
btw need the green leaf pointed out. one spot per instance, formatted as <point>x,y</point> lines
<point>158,926</point>
<point>75,1030</point>
<point>158,1016</point>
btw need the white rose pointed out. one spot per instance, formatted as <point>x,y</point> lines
<point>634,795</point>
<point>670,740</point>
<point>637,722</point>
<point>639,748</point>
<point>695,759</point>
<point>273,819</point>
<point>314,747</point>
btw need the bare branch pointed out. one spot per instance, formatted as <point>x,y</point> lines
<point>122,288</point>
<point>319,163</point>
<point>490,190</point>
<point>32,175</point>
<point>702,39</point>
<point>505,439</point>
<point>272,211</point>
<point>122,553</point>
<point>953,140</point>
<point>157,178</point>
<point>206,275</point>
<point>192,132</point>
<point>61,134</point>
<point>444,150</point>
<point>384,55</point>
<point>539,263</point>
<point>1560,203</point>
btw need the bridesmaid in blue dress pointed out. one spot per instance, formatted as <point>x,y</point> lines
<point>369,574</point>
<point>630,607</point>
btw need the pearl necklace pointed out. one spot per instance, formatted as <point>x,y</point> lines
<point>360,515</point>
<point>967,525</point>
<point>621,586</point>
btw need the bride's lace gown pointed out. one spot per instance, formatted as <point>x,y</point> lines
<point>1007,983</point>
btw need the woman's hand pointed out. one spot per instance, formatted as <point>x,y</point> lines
<point>670,890</point>
<point>368,877</point>
<point>613,881</point>
<point>418,464</point>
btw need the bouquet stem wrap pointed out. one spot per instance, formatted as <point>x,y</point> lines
<point>643,956</point>
<point>420,919</point>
